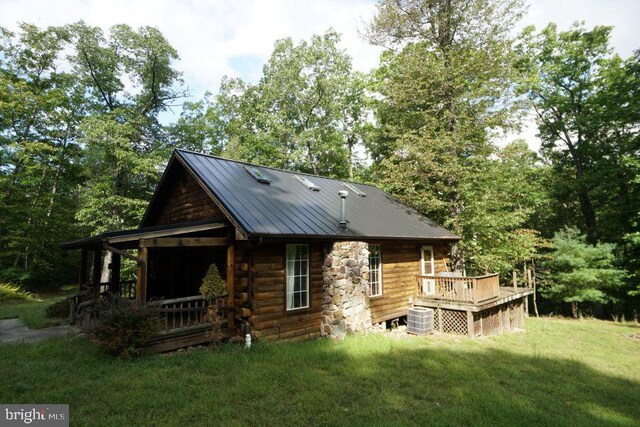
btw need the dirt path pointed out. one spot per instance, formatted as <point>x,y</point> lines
<point>14,331</point>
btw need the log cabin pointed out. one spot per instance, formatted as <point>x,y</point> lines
<point>303,256</point>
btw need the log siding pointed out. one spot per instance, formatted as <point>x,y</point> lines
<point>181,199</point>
<point>271,320</point>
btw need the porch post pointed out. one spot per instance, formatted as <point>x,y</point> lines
<point>141,273</point>
<point>82,274</point>
<point>231,274</point>
<point>115,273</point>
<point>97,267</point>
<point>470,324</point>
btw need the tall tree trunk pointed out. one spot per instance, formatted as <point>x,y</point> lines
<point>56,177</point>
<point>583,192</point>
<point>589,214</point>
<point>105,275</point>
<point>535,291</point>
<point>350,145</point>
<point>574,309</point>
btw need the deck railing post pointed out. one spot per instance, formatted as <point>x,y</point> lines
<point>474,287</point>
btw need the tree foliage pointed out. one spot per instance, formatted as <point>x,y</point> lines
<point>446,87</point>
<point>586,101</point>
<point>79,138</point>
<point>123,139</point>
<point>580,272</point>
<point>575,85</point>
<point>40,112</point>
<point>306,113</point>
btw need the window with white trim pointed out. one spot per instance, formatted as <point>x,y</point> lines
<point>375,270</point>
<point>297,276</point>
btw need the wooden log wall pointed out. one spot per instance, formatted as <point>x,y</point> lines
<point>241,282</point>
<point>271,321</point>
<point>180,199</point>
<point>400,264</point>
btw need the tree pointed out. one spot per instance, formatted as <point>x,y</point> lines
<point>445,87</point>
<point>306,113</point>
<point>580,272</point>
<point>578,90</point>
<point>79,143</point>
<point>124,141</point>
<point>501,225</point>
<point>40,110</point>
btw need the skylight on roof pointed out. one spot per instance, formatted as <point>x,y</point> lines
<point>307,183</point>
<point>257,175</point>
<point>355,189</point>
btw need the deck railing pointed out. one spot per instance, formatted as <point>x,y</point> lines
<point>459,289</point>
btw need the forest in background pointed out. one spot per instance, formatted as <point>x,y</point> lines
<point>82,146</point>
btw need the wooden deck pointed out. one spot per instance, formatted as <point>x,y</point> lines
<point>505,294</point>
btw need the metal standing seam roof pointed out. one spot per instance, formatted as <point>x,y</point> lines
<point>286,207</point>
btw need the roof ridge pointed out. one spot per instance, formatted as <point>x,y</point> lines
<point>274,168</point>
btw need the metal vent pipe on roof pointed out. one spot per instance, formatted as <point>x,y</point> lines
<point>343,208</point>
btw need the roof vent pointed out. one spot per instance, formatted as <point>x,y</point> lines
<point>355,189</point>
<point>257,175</point>
<point>307,183</point>
<point>343,208</point>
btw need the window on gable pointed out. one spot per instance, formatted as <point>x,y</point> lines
<point>297,276</point>
<point>375,270</point>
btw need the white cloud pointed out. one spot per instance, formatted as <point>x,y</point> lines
<point>209,34</point>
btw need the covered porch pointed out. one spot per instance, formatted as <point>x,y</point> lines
<point>168,263</point>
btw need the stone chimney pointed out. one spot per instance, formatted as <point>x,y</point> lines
<point>346,290</point>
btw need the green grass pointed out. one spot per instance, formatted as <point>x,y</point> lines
<point>32,310</point>
<point>560,372</point>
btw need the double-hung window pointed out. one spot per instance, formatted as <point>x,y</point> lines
<point>297,276</point>
<point>375,270</point>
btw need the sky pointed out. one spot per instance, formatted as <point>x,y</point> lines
<point>236,37</point>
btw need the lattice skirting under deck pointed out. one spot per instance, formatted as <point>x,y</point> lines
<point>495,320</point>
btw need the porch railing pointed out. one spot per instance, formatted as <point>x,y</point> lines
<point>127,288</point>
<point>458,289</point>
<point>182,312</point>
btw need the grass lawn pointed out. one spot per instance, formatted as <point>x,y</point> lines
<point>560,372</point>
<point>32,313</point>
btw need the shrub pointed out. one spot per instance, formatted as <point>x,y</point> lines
<point>213,287</point>
<point>9,292</point>
<point>59,310</point>
<point>124,326</point>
